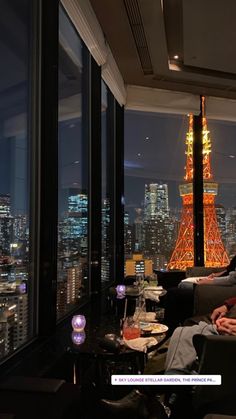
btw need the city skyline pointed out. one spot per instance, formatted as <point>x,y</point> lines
<point>161,230</point>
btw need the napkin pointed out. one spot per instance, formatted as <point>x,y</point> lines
<point>140,344</point>
<point>146,316</point>
<point>152,293</point>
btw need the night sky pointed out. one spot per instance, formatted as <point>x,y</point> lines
<point>154,143</point>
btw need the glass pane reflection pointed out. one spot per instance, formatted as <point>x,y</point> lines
<point>72,280</point>
<point>15,282</point>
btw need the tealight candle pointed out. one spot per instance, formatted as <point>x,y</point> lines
<point>78,322</point>
<point>78,337</point>
<point>120,289</point>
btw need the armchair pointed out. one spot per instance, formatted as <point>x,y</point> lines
<point>208,297</point>
<point>217,356</point>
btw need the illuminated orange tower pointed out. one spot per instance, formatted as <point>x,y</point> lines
<point>214,250</point>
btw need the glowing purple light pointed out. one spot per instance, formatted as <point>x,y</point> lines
<point>120,289</point>
<point>22,288</point>
<point>78,322</point>
<point>78,337</point>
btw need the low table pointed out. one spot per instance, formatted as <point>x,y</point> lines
<point>90,355</point>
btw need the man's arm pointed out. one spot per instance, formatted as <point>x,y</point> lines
<point>230,302</point>
<point>216,274</point>
<point>229,279</point>
<point>210,280</point>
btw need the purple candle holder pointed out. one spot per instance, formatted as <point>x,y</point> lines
<point>120,289</point>
<point>78,337</point>
<point>22,288</point>
<point>78,322</point>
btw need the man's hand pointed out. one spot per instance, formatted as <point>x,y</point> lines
<point>226,326</point>
<point>207,280</point>
<point>218,313</point>
<point>211,276</point>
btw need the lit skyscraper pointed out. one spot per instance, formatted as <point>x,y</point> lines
<point>6,225</point>
<point>221,219</point>
<point>156,202</point>
<point>78,215</point>
<point>73,229</point>
<point>156,223</point>
<point>231,231</point>
<point>138,230</point>
<point>72,253</point>
<point>128,235</point>
<point>5,204</point>
<point>105,258</point>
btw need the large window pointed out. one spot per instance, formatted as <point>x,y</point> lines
<point>15,144</point>
<point>72,281</point>
<point>158,191</point>
<point>159,227</point>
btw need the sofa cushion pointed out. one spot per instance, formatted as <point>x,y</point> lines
<point>201,271</point>
<point>208,297</point>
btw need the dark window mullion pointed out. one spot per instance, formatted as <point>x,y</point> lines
<point>95,192</point>
<point>34,162</point>
<point>49,168</point>
<point>110,176</point>
<point>198,192</point>
<point>119,192</point>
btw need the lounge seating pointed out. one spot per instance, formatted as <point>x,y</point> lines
<point>169,279</point>
<point>216,355</point>
<point>206,297</point>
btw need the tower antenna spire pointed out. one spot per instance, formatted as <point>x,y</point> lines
<point>214,251</point>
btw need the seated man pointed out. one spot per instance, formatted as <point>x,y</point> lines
<point>225,277</point>
<point>181,357</point>
<point>178,301</point>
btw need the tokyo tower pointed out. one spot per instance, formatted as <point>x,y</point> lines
<point>214,250</point>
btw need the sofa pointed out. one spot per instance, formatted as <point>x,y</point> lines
<point>216,356</point>
<point>208,297</point>
<point>169,279</point>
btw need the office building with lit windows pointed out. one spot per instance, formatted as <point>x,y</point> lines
<point>157,234</point>
<point>139,266</point>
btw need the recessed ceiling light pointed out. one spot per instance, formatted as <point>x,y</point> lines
<point>139,154</point>
<point>176,57</point>
<point>146,138</point>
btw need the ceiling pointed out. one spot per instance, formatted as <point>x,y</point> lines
<point>145,37</point>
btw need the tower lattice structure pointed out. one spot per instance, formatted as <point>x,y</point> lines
<point>214,251</point>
